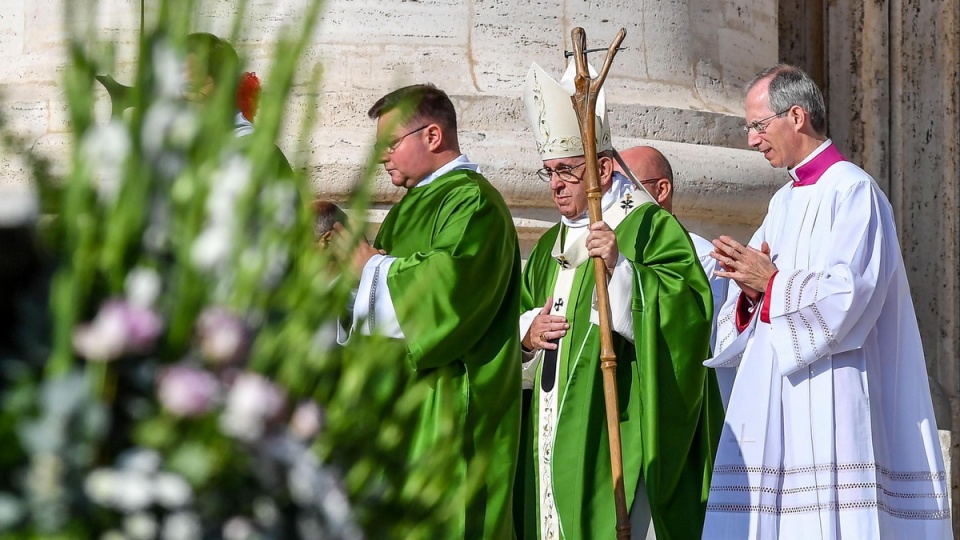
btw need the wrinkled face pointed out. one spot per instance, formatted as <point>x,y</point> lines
<point>406,157</point>
<point>775,138</point>
<point>570,196</point>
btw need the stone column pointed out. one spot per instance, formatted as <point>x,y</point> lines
<point>894,103</point>
<point>676,86</point>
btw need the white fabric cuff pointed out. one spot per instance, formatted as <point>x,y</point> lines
<point>621,298</point>
<point>373,310</point>
<point>530,359</point>
<point>528,373</point>
<point>526,321</point>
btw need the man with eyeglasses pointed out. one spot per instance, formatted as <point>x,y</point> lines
<point>443,277</point>
<point>830,430</point>
<point>670,412</point>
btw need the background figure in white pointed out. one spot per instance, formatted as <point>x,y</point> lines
<point>830,431</point>
<point>653,171</point>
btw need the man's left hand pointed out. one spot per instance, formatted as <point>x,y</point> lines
<point>602,242</point>
<point>745,265</point>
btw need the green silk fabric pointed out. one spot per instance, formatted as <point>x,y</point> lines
<point>456,290</point>
<point>670,409</point>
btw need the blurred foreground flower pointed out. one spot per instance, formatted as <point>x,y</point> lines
<point>223,336</point>
<point>252,403</point>
<point>180,264</point>
<point>187,391</point>
<point>119,328</point>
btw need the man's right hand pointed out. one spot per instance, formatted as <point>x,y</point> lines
<point>545,328</point>
<point>749,267</point>
<point>362,252</point>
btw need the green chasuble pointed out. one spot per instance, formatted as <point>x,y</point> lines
<point>456,291</point>
<point>670,409</point>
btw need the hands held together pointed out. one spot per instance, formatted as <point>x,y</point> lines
<point>749,267</point>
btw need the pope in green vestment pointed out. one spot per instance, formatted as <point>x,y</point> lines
<point>443,277</point>
<point>670,414</point>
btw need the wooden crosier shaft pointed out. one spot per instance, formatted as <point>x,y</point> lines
<point>585,104</point>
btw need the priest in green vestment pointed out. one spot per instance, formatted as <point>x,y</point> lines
<point>669,407</point>
<point>443,276</point>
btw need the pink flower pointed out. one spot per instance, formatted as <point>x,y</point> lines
<point>187,391</point>
<point>223,336</point>
<point>307,420</point>
<point>253,401</point>
<point>119,328</point>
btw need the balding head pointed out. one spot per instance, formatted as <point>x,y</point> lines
<point>653,171</point>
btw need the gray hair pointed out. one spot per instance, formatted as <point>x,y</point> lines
<point>789,86</point>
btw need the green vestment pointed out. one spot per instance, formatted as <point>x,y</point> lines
<point>670,409</point>
<point>456,291</point>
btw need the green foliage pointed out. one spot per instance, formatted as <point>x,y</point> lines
<point>172,332</point>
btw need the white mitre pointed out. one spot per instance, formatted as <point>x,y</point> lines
<point>552,117</point>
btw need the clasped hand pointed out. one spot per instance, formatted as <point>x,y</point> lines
<point>749,267</point>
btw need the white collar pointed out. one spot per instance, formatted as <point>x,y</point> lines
<point>619,187</point>
<point>241,126</point>
<point>461,162</point>
<point>793,170</point>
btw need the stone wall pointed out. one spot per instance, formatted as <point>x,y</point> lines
<point>676,86</point>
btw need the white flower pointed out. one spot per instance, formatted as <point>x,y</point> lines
<point>172,491</point>
<point>325,338</point>
<point>103,339</point>
<point>140,526</point>
<point>252,402</point>
<point>181,526</point>
<point>169,70</point>
<point>12,510</point>
<point>306,420</point>
<point>211,248</point>
<point>282,200</point>
<point>265,511</point>
<point>228,183</point>
<point>168,125</point>
<point>44,480</point>
<point>238,528</point>
<point>126,490</point>
<point>141,460</point>
<point>105,149</point>
<point>183,129</point>
<point>187,391</point>
<point>276,267</point>
<point>133,491</point>
<point>142,287</point>
<point>100,486</point>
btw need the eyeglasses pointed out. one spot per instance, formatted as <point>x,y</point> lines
<point>394,144</point>
<point>760,126</point>
<point>565,173</point>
